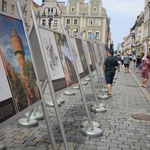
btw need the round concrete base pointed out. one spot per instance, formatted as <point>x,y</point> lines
<point>102,96</point>
<point>95,132</point>
<point>98,109</point>
<point>2,146</point>
<point>27,123</point>
<point>36,116</point>
<point>86,123</point>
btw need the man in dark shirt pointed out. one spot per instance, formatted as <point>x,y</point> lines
<point>110,66</point>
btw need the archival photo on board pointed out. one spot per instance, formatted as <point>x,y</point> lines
<point>77,57</point>
<point>53,59</point>
<point>99,54</point>
<point>96,53</point>
<point>66,59</point>
<point>82,56</point>
<point>87,54</point>
<point>21,74</point>
<point>7,104</point>
<point>59,59</point>
<point>93,66</point>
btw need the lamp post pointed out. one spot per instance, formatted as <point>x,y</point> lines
<point>48,12</point>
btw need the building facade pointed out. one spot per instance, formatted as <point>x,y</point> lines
<point>88,19</point>
<point>9,6</point>
<point>146,34</point>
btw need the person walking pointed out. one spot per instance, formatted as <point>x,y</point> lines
<point>145,70</point>
<point>126,63</point>
<point>134,60</point>
<point>122,59</point>
<point>110,66</point>
<point>119,61</point>
<point>138,63</point>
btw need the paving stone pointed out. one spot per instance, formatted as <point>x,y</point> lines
<point>121,131</point>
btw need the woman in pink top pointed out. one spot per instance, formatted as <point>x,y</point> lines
<point>146,70</point>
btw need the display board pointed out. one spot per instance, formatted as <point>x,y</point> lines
<point>91,55</point>
<point>97,53</point>
<point>77,57</point>
<point>59,59</point>
<point>7,103</point>
<point>18,62</point>
<point>82,56</point>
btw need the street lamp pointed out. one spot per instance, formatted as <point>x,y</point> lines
<point>48,12</point>
<point>50,22</point>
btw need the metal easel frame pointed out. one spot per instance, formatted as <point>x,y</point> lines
<point>88,130</point>
<point>49,81</point>
<point>43,105</point>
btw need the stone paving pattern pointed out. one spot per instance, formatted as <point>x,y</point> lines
<point>120,130</point>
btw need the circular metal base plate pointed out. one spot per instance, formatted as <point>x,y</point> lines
<point>86,123</point>
<point>87,131</point>
<point>50,103</point>
<point>36,116</point>
<point>2,146</point>
<point>60,100</point>
<point>87,79</point>
<point>76,87</point>
<point>84,82</point>
<point>102,96</point>
<point>144,117</point>
<point>105,90</point>
<point>69,93</point>
<point>31,123</point>
<point>100,105</point>
<point>98,109</point>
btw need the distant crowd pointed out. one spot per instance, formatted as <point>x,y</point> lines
<point>141,63</point>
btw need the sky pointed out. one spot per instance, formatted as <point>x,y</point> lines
<point>123,14</point>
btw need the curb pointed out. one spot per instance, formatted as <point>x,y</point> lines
<point>145,92</point>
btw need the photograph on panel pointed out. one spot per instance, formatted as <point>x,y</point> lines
<point>93,66</point>
<point>7,104</point>
<point>14,46</point>
<point>53,59</point>
<point>87,53</point>
<point>82,56</point>
<point>66,58</point>
<point>77,57</point>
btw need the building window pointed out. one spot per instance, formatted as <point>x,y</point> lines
<point>72,9</point>
<point>55,22</point>
<point>68,21</point>
<point>4,6</point>
<point>74,34</point>
<point>97,35</point>
<point>75,21</point>
<point>89,35</point>
<point>43,22</point>
<point>94,10</point>
<point>90,22</point>
<point>12,9</point>
<point>97,22</point>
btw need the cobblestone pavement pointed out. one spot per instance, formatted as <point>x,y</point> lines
<point>120,130</point>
